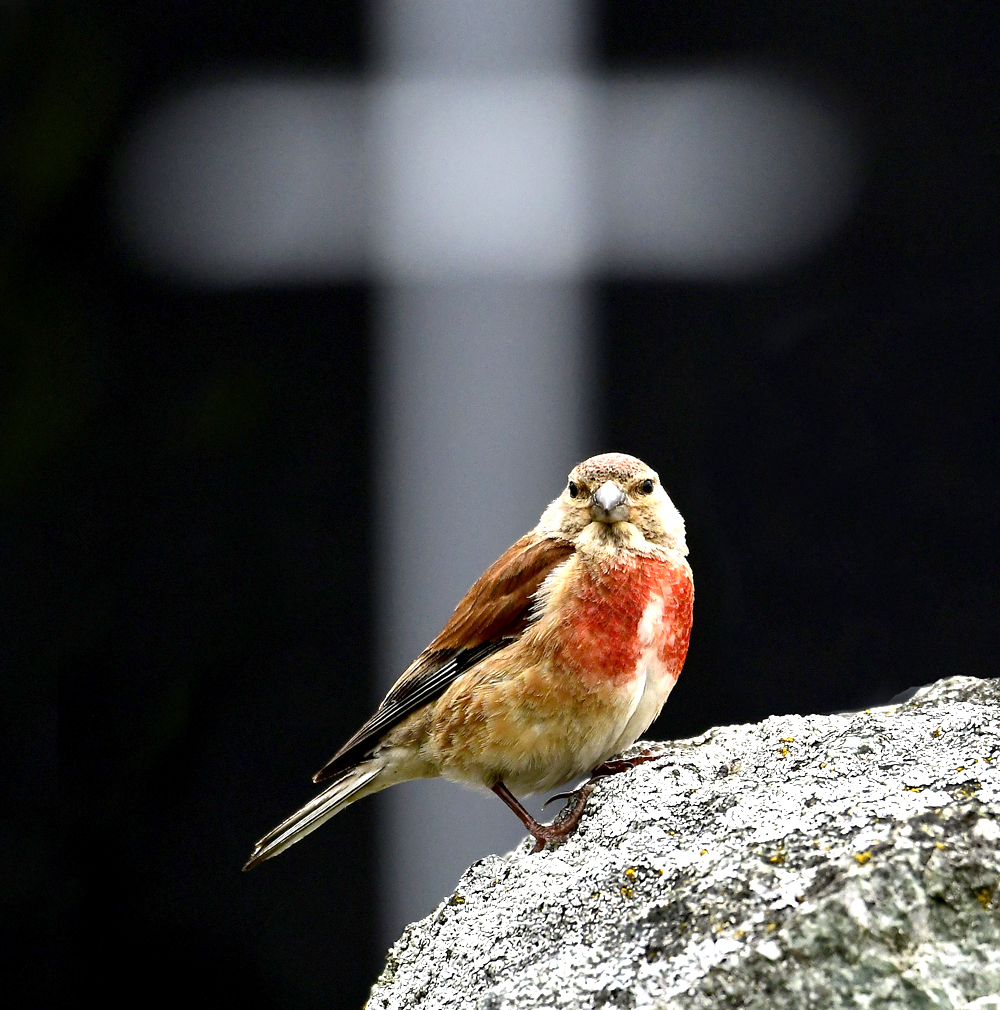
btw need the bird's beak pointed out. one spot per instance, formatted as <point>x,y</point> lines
<point>608,504</point>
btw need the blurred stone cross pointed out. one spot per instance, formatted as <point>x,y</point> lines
<point>479,178</point>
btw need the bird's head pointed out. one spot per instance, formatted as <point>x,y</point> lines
<point>615,496</point>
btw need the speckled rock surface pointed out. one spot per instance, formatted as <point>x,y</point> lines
<point>806,861</point>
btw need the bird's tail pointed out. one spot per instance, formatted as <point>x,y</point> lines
<point>349,786</point>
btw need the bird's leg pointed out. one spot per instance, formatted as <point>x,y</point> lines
<point>612,767</point>
<point>542,833</point>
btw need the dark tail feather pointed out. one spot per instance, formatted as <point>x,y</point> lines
<point>349,786</point>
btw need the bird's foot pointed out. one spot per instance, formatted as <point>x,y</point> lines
<point>618,765</point>
<point>566,823</point>
<point>613,767</point>
<point>561,828</point>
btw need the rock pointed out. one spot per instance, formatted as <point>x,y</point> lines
<point>830,861</point>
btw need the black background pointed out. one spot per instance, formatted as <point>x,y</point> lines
<point>189,629</point>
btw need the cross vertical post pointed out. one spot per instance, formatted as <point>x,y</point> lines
<point>485,388</point>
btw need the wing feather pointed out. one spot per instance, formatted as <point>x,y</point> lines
<point>491,615</point>
<point>499,603</point>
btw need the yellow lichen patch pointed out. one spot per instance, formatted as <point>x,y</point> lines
<point>783,751</point>
<point>457,899</point>
<point>627,892</point>
<point>940,845</point>
<point>778,858</point>
<point>960,768</point>
<point>704,852</point>
<point>862,857</point>
<point>936,732</point>
<point>984,896</point>
<point>788,739</point>
<point>912,789</point>
<point>823,764</point>
<point>596,894</point>
<point>630,873</point>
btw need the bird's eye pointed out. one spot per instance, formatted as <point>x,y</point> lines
<point>647,486</point>
<point>573,489</point>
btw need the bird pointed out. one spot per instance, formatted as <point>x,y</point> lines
<point>557,659</point>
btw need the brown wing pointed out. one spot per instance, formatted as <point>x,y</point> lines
<point>499,604</point>
<point>490,616</point>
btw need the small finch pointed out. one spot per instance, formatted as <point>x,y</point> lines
<point>557,659</point>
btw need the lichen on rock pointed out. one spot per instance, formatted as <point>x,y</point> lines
<point>834,861</point>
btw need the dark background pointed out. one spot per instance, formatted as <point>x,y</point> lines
<point>189,629</point>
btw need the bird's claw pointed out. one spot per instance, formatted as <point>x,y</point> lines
<point>559,796</point>
<point>565,825</point>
